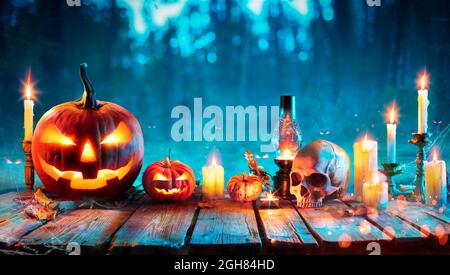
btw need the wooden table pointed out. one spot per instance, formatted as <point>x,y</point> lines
<point>146,227</point>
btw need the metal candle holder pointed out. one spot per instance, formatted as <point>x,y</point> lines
<point>390,170</point>
<point>281,179</point>
<point>420,140</point>
<point>29,167</point>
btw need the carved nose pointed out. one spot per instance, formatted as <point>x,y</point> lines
<point>88,154</point>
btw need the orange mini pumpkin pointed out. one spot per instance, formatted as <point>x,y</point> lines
<point>88,148</point>
<point>244,188</point>
<point>169,180</point>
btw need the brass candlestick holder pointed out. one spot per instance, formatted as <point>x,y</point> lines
<point>29,167</point>
<point>420,140</point>
<point>390,170</point>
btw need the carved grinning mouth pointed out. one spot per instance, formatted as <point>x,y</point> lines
<point>170,191</point>
<point>77,181</point>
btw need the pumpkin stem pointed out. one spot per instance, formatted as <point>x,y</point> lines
<point>170,151</point>
<point>88,100</point>
<point>166,162</point>
<point>244,176</point>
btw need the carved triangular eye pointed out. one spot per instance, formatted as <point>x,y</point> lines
<point>122,134</point>
<point>183,177</point>
<point>53,135</point>
<point>160,177</point>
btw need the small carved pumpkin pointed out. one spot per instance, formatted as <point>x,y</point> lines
<point>169,180</point>
<point>243,188</point>
<point>88,148</point>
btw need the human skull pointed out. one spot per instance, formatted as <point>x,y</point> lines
<point>320,171</point>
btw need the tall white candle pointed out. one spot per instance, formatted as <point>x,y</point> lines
<point>392,138</point>
<point>435,182</point>
<point>423,105</point>
<point>28,114</point>
<point>213,180</point>
<point>365,164</point>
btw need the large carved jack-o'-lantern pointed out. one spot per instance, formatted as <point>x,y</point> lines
<point>88,148</point>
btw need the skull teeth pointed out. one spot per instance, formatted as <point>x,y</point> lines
<point>309,204</point>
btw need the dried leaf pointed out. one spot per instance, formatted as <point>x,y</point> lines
<point>40,212</point>
<point>40,198</point>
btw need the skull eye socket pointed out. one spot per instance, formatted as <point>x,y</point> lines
<point>52,135</point>
<point>317,180</point>
<point>183,177</point>
<point>296,179</point>
<point>160,177</point>
<point>121,134</point>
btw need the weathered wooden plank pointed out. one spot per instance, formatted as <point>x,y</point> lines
<point>92,229</point>
<point>428,224</point>
<point>392,225</point>
<point>442,214</point>
<point>9,205</point>
<point>285,229</point>
<point>14,223</point>
<point>155,227</point>
<point>16,226</point>
<point>333,227</point>
<point>226,227</point>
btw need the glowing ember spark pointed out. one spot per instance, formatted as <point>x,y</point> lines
<point>345,241</point>
<point>364,227</point>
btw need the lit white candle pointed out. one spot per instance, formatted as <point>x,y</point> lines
<point>213,180</point>
<point>423,105</point>
<point>28,112</point>
<point>392,137</point>
<point>365,164</point>
<point>435,182</point>
<point>375,194</point>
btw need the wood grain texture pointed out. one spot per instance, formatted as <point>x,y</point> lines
<point>419,218</point>
<point>332,226</point>
<point>228,227</point>
<point>155,227</point>
<point>442,214</point>
<point>14,223</point>
<point>285,229</point>
<point>92,229</point>
<point>393,226</point>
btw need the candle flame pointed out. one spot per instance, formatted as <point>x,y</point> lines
<point>365,143</point>
<point>269,197</point>
<point>392,116</point>
<point>286,154</point>
<point>376,178</point>
<point>423,81</point>
<point>28,87</point>
<point>28,92</point>
<point>213,161</point>
<point>435,157</point>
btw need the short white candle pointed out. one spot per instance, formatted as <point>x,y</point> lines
<point>375,194</point>
<point>213,181</point>
<point>435,182</point>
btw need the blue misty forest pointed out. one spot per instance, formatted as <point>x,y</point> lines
<point>345,62</point>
